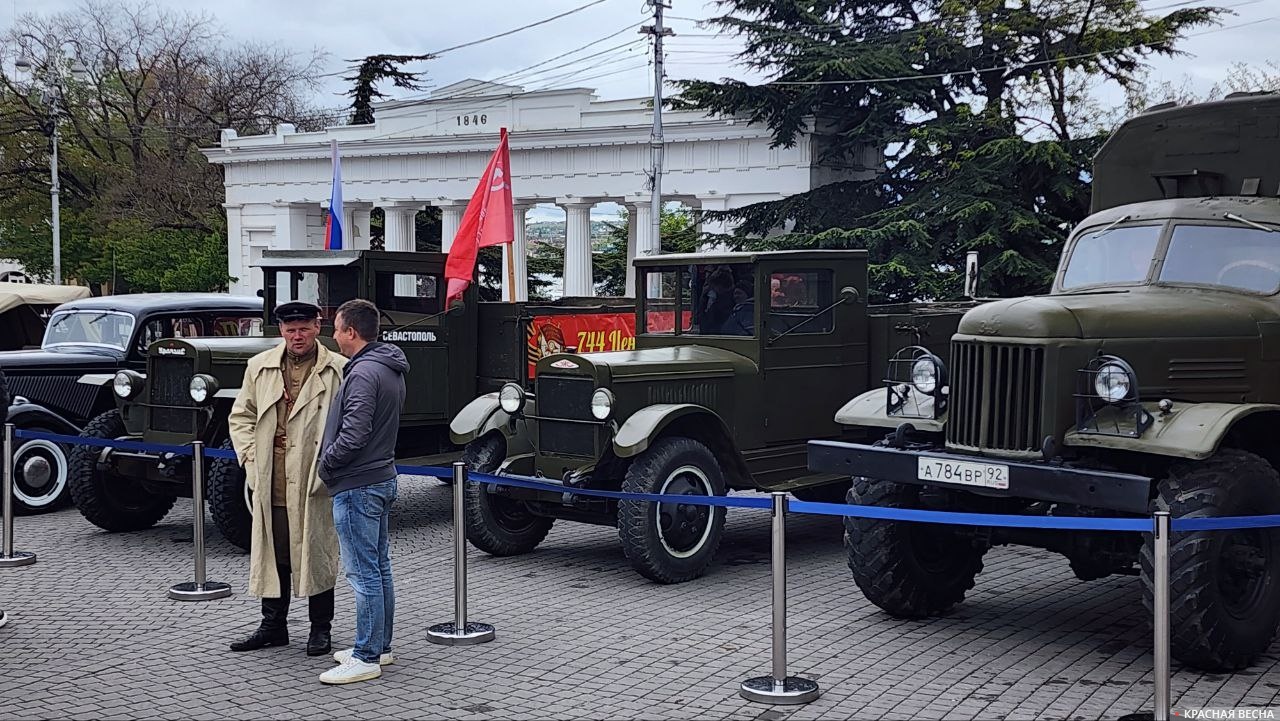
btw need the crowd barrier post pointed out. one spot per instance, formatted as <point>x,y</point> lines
<point>202,589</point>
<point>779,688</point>
<point>1160,623</point>
<point>10,558</point>
<point>460,632</point>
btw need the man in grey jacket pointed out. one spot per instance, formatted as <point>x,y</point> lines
<point>357,464</point>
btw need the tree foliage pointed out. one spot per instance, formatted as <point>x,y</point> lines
<point>980,112</point>
<point>373,70</point>
<point>160,85</point>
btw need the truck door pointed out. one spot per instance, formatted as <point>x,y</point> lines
<point>407,301</point>
<point>813,361</point>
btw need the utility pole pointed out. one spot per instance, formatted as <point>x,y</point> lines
<point>54,188</point>
<point>655,139</point>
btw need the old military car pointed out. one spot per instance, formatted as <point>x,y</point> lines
<point>738,359</point>
<point>189,384</point>
<point>1148,378</point>
<point>66,382</point>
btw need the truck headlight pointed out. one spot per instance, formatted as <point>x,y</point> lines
<point>202,388</point>
<point>1113,381</point>
<point>602,404</point>
<point>511,398</point>
<point>127,384</point>
<point>926,374</point>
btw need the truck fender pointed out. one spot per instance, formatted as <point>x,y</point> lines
<point>649,423</point>
<point>870,410</point>
<point>1190,430</point>
<point>26,415</point>
<point>484,415</point>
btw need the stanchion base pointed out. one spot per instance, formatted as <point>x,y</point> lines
<point>19,558</point>
<point>446,634</point>
<point>1140,716</point>
<point>793,691</point>
<point>207,591</point>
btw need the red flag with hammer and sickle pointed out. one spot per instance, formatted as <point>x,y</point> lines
<point>488,221</point>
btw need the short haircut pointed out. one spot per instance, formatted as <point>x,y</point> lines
<point>361,316</point>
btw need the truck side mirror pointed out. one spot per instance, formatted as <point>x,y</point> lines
<point>849,294</point>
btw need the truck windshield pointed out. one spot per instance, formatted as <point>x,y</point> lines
<point>102,328</point>
<point>1112,256</point>
<point>1235,257</point>
<point>328,288</point>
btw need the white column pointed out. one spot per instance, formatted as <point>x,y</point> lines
<point>291,226</point>
<point>714,202</point>
<point>451,212</point>
<point>398,225</point>
<point>646,243</point>
<point>355,225</point>
<point>577,248</point>
<point>630,290</point>
<point>519,251</point>
<point>236,251</point>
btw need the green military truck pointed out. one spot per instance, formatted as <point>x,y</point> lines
<point>190,383</point>
<point>1149,378</point>
<point>739,358</point>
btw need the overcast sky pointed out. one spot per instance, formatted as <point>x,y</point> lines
<point>348,30</point>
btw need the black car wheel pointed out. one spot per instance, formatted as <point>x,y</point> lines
<point>1224,595</point>
<point>229,499</point>
<point>672,542</point>
<point>496,524</point>
<point>39,475</point>
<point>911,570</point>
<point>107,499</point>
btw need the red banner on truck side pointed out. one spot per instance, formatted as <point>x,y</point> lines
<point>585,333</point>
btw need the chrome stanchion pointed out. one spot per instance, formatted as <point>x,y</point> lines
<point>201,589</point>
<point>460,632</point>
<point>10,558</point>
<point>779,688</point>
<point>1160,624</point>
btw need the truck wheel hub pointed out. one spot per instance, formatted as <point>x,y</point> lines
<point>37,472</point>
<point>683,528</point>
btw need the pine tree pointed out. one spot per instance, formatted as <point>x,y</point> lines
<point>372,70</point>
<point>980,107</point>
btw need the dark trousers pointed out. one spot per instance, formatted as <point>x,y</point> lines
<point>275,611</point>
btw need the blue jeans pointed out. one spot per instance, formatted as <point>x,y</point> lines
<point>362,517</point>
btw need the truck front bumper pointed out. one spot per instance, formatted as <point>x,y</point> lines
<point>1034,480</point>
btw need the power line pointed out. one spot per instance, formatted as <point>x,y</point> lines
<point>544,21</point>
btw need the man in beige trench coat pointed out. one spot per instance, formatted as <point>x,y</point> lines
<point>276,426</point>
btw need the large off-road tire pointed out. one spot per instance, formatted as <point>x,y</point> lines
<point>1224,586</point>
<point>228,499</point>
<point>911,570</point>
<point>108,500</point>
<point>39,475</point>
<point>496,524</point>
<point>669,542</point>
<point>830,493</point>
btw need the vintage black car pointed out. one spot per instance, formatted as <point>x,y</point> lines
<point>68,380</point>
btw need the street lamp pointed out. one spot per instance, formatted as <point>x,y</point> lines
<point>48,76</point>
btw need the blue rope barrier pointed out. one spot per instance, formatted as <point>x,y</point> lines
<point>1069,523</point>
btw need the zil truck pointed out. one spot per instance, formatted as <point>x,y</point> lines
<point>1147,379</point>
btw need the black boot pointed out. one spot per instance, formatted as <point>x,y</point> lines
<point>272,631</point>
<point>320,610</point>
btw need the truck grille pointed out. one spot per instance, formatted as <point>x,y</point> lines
<point>567,397</point>
<point>168,383</point>
<point>996,396</point>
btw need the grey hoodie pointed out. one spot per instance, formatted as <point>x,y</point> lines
<point>359,447</point>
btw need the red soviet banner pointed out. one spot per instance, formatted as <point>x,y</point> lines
<point>585,333</point>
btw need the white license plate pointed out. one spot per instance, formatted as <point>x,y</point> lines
<point>987,475</point>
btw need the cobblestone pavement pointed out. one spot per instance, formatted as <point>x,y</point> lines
<point>579,634</point>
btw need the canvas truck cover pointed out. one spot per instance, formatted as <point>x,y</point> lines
<point>13,295</point>
<point>1226,147</point>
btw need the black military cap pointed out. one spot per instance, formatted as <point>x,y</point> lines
<point>296,310</point>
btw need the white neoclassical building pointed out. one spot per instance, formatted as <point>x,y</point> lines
<point>567,148</point>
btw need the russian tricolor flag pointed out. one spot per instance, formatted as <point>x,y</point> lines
<point>333,230</point>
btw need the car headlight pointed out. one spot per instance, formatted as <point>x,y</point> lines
<point>511,398</point>
<point>601,404</point>
<point>924,374</point>
<point>202,388</point>
<point>127,384</point>
<point>1113,382</point>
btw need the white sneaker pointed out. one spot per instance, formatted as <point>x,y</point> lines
<point>350,672</point>
<point>4,618</point>
<point>345,655</point>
